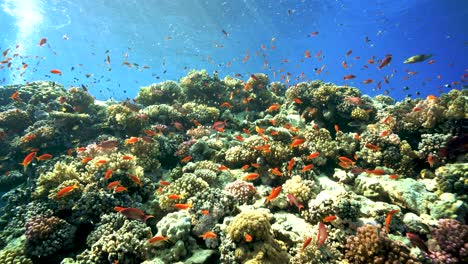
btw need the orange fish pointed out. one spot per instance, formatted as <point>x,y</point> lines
<point>372,147</point>
<point>28,159</point>
<point>113,184</point>
<point>186,159</point>
<point>239,137</point>
<point>119,189</point>
<point>431,62</point>
<point>349,77</point>
<point>291,164</point>
<point>346,160</point>
<point>307,54</point>
<point>255,165</point>
<point>394,176</point>
<point>297,100</point>
<point>322,234</point>
<point>276,172</point>
<point>385,133</point>
<point>182,206</point>
<point>313,155</point>
<point>66,190</point>
<point>385,61</point>
<point>430,159</point>
<point>259,130</point>
<point>15,96</point>
<point>42,41</point>
<point>367,81</point>
<point>306,243</point>
<point>222,167</point>
<point>357,137</point>
<point>247,237</point>
<point>135,179</point>
<point>226,105</point>
<point>127,157</point>
<point>246,166</point>
<point>344,165</point>
<point>157,238</point>
<point>133,213</point>
<point>44,157</point>
<point>55,71</point>
<point>307,167</point>
<point>251,177</point>
<point>388,219</point>
<point>275,191</point>
<point>329,218</point>
<point>297,142</point>
<point>108,174</point>
<point>431,97</point>
<point>376,171</point>
<point>131,140</point>
<point>164,183</point>
<point>337,128</point>
<point>150,132</point>
<point>273,107</point>
<point>174,196</point>
<point>86,160</point>
<point>343,63</point>
<point>208,234</point>
<point>205,212</point>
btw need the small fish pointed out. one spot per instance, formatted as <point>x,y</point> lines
<point>306,243</point>
<point>349,77</point>
<point>174,196</point>
<point>307,167</point>
<point>28,159</point>
<point>431,160</point>
<point>343,63</point>
<point>349,52</point>
<point>55,71</point>
<point>127,157</point>
<point>182,206</point>
<point>337,128</point>
<point>385,61</point>
<point>388,219</point>
<point>186,159</point>
<point>417,242</point>
<point>135,179</point>
<point>394,176</point>
<point>345,165</point>
<point>292,200</point>
<point>275,171</point>
<point>133,213</point>
<point>367,81</point>
<point>313,155</point>
<point>44,157</point>
<point>42,41</point>
<point>222,167</point>
<point>164,183</point>
<point>66,190</point>
<point>15,96</point>
<point>226,105</point>
<point>418,58</point>
<point>372,147</point>
<point>297,142</point>
<point>329,218</point>
<point>375,171</point>
<point>113,184</point>
<point>119,189</point>
<point>273,107</point>
<point>131,140</point>
<point>157,238</point>
<point>297,100</point>
<point>239,137</point>
<point>346,160</point>
<point>251,177</point>
<point>108,174</point>
<point>322,234</point>
<point>275,191</point>
<point>247,237</point>
<point>384,133</point>
<point>205,212</point>
<point>208,234</point>
<point>290,164</point>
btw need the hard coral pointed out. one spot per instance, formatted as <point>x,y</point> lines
<point>452,241</point>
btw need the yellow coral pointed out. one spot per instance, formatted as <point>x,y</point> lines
<point>301,189</point>
<point>359,114</point>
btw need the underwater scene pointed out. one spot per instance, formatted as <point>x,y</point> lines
<point>268,132</point>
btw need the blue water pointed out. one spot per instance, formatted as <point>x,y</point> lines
<point>172,37</point>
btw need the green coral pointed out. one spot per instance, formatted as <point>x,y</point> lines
<point>199,87</point>
<point>146,154</point>
<point>166,92</point>
<point>200,112</point>
<point>14,120</point>
<point>80,99</point>
<point>122,118</point>
<point>186,186</point>
<point>359,114</point>
<point>453,178</point>
<point>162,113</point>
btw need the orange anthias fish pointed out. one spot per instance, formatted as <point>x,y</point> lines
<point>66,190</point>
<point>127,157</point>
<point>349,77</point>
<point>157,238</point>
<point>182,206</point>
<point>44,157</point>
<point>186,159</point>
<point>290,164</point>
<point>108,174</point>
<point>306,243</point>
<point>297,142</point>
<point>15,96</point>
<point>247,237</point>
<point>133,213</point>
<point>55,71</point>
<point>208,234</point>
<point>275,191</point>
<point>275,171</point>
<point>119,189</point>
<point>372,147</point>
<point>135,179</point>
<point>292,200</point>
<point>313,155</point>
<point>430,159</point>
<point>42,41</point>
<point>174,196</point>
<point>113,184</point>
<point>86,160</point>
<point>376,171</point>
<point>28,159</point>
<point>273,107</point>
<point>329,218</point>
<point>388,219</point>
<point>307,167</point>
<point>385,61</point>
<point>297,100</point>
<point>131,140</point>
<point>251,177</point>
<point>205,212</point>
<point>346,160</point>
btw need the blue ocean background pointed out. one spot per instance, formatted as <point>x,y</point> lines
<point>164,39</point>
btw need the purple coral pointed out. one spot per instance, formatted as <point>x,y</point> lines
<point>243,191</point>
<point>184,148</point>
<point>452,238</point>
<point>40,227</point>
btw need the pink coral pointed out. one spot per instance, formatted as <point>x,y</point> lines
<point>243,191</point>
<point>452,239</point>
